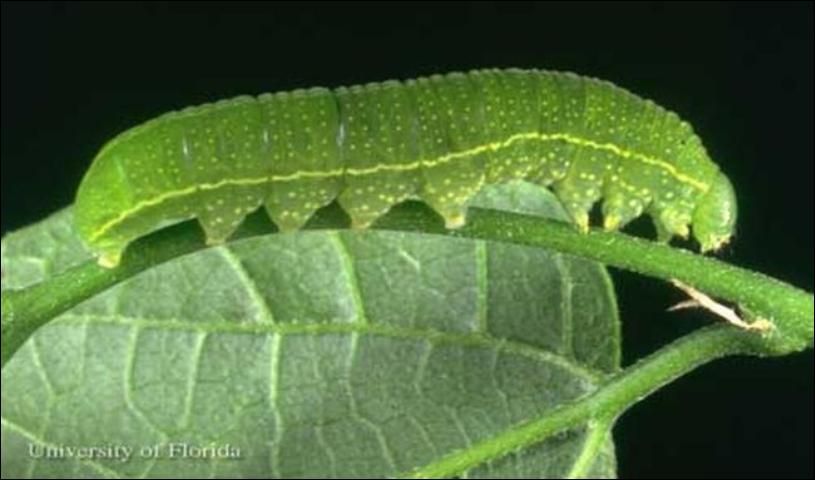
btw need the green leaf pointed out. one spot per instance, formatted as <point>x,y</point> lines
<point>328,354</point>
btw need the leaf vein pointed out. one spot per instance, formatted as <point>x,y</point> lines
<point>429,335</point>
<point>353,280</point>
<point>257,297</point>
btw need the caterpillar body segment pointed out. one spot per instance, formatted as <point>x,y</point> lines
<point>439,138</point>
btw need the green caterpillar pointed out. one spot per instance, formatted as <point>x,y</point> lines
<point>440,139</point>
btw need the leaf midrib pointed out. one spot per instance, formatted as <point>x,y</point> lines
<point>433,336</point>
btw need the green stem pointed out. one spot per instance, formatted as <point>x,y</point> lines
<point>607,402</point>
<point>790,309</point>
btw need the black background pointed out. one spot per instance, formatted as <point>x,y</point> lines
<point>73,75</point>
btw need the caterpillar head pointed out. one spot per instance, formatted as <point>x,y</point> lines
<point>714,218</point>
<point>102,196</point>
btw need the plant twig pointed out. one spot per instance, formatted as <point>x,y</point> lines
<point>607,402</point>
<point>788,308</point>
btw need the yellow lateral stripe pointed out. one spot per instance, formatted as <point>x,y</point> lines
<point>495,146</point>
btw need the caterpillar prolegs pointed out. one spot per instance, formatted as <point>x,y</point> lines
<point>439,138</point>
